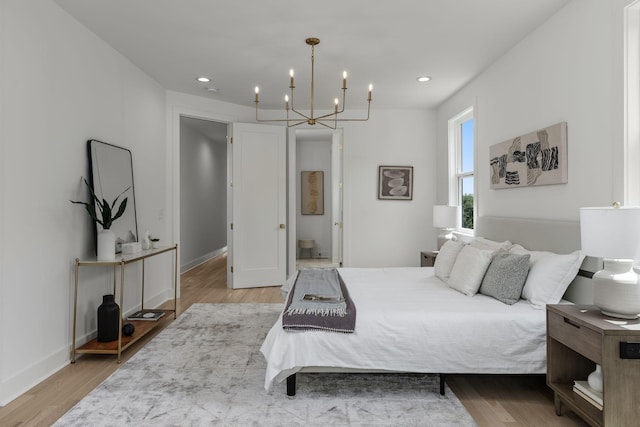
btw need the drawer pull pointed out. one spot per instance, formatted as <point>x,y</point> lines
<point>575,325</point>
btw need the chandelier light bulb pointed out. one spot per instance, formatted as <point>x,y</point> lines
<point>257,92</point>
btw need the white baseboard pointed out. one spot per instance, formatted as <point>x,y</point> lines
<point>31,376</point>
<point>200,260</point>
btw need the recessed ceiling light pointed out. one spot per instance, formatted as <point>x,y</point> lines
<point>423,79</point>
<point>203,79</point>
<point>212,89</point>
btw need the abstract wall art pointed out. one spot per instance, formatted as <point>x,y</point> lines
<point>395,182</point>
<point>536,158</point>
<point>312,185</point>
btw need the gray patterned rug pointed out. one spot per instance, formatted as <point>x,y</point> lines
<point>205,369</point>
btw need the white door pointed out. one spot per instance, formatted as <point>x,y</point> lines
<point>257,238</point>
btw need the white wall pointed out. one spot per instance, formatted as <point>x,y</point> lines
<point>388,232</point>
<point>315,155</point>
<point>569,69</point>
<point>60,86</point>
<point>203,191</point>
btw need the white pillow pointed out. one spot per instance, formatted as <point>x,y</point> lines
<point>446,258</point>
<point>482,243</point>
<point>549,275</point>
<point>468,271</point>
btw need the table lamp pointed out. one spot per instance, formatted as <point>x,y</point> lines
<point>445,218</point>
<point>613,233</point>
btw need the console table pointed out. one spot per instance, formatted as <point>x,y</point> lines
<point>142,327</point>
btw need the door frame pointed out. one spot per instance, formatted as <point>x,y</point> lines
<point>172,182</point>
<point>337,230</point>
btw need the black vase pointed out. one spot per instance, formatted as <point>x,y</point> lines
<point>108,319</point>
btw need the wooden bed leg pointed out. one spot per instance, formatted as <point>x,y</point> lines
<point>442,380</point>
<point>291,385</point>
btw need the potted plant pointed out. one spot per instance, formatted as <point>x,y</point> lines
<point>105,217</point>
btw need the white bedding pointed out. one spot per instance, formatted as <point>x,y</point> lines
<point>408,320</point>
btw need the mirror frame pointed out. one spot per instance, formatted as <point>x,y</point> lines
<point>120,228</point>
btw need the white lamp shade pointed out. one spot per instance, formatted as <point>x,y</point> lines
<point>608,232</point>
<point>445,216</point>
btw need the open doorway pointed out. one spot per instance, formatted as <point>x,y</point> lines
<point>203,191</point>
<point>318,198</point>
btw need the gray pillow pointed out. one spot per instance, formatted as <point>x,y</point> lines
<point>505,277</point>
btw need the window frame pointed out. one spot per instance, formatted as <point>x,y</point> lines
<point>456,176</point>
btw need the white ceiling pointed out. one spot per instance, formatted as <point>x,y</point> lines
<point>244,43</point>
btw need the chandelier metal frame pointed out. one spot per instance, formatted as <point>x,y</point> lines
<point>329,120</point>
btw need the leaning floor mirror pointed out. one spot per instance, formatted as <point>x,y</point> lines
<point>111,169</point>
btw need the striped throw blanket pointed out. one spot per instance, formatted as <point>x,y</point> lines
<point>319,300</point>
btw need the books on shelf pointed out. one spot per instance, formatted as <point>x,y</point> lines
<point>582,389</point>
<point>151,315</point>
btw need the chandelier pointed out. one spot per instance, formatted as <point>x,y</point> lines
<point>329,120</point>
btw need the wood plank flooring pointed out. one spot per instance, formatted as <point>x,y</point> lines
<point>492,400</point>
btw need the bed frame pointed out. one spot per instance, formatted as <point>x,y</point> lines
<point>534,234</point>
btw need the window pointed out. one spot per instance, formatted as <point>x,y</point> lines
<point>461,167</point>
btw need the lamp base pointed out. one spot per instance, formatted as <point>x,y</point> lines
<point>445,235</point>
<point>616,291</point>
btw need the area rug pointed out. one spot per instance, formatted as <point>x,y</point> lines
<point>205,369</point>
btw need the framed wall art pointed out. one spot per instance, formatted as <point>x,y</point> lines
<point>536,158</point>
<point>312,197</point>
<point>395,182</point>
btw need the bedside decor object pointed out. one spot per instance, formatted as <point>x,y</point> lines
<point>445,218</point>
<point>612,233</point>
<point>595,379</point>
<point>108,319</point>
<point>106,238</point>
<point>395,182</point>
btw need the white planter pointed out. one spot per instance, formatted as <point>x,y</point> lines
<point>106,245</point>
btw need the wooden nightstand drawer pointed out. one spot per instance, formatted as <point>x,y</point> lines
<point>576,336</point>
<point>428,258</point>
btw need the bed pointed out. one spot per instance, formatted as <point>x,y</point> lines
<point>411,320</point>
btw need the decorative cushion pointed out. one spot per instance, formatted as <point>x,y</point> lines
<point>505,277</point>
<point>482,243</point>
<point>468,270</point>
<point>446,258</point>
<point>549,275</point>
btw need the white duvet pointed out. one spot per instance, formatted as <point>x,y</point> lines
<point>408,320</point>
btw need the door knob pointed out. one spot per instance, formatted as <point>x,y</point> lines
<point>282,226</point>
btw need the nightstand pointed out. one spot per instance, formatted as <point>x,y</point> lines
<point>578,337</point>
<point>428,258</point>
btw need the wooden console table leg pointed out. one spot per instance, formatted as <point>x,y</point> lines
<point>558,404</point>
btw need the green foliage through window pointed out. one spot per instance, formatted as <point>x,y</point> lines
<point>467,211</point>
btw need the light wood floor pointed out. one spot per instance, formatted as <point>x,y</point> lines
<point>492,400</point>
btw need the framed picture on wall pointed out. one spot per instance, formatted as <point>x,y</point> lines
<point>312,197</point>
<point>395,182</point>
